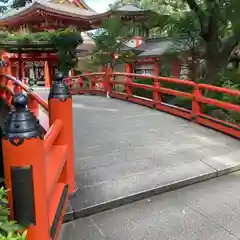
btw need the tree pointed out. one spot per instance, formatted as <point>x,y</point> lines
<point>220,30</point>
<point>20,3</point>
<point>109,41</point>
<point>3,5</point>
<point>6,4</point>
<point>215,22</point>
<point>157,22</point>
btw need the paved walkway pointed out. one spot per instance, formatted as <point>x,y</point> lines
<point>204,211</point>
<point>125,152</point>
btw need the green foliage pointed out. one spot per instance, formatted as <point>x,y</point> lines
<point>63,42</point>
<point>173,100</point>
<point>142,92</point>
<point>3,5</point>
<point>164,8</point>
<point>20,3</point>
<point>9,230</point>
<point>66,43</point>
<point>109,43</point>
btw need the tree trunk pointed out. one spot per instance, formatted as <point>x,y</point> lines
<point>212,72</point>
<point>215,64</point>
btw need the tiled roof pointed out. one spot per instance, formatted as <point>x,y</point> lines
<point>77,3</point>
<point>86,5</point>
<point>49,5</point>
<point>128,8</point>
<point>160,46</point>
<point>67,8</point>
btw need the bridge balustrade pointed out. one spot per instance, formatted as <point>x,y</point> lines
<point>38,165</point>
<point>106,83</point>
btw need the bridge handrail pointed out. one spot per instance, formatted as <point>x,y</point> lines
<point>51,161</point>
<point>219,89</point>
<point>90,74</point>
<point>109,79</point>
<point>27,89</point>
<point>52,134</point>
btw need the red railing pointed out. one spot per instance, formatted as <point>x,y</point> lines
<point>50,161</point>
<point>9,86</point>
<point>105,83</point>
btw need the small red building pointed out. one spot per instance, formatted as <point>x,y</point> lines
<point>160,56</point>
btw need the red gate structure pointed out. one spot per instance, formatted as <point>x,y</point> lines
<point>159,87</point>
<point>38,165</point>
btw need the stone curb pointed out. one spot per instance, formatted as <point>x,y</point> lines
<point>80,213</point>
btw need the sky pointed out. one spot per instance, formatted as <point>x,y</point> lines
<point>99,5</point>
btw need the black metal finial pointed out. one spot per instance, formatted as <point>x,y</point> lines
<point>59,89</point>
<point>21,123</point>
<point>58,77</point>
<point>20,101</point>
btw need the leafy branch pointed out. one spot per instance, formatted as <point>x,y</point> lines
<point>63,42</point>
<point>110,41</point>
<point>9,230</point>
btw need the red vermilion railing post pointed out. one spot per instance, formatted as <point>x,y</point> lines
<point>156,94</point>
<point>129,92</point>
<point>93,80</point>
<point>60,107</point>
<point>25,170</point>
<point>107,81</point>
<point>196,106</point>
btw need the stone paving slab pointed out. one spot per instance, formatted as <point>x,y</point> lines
<point>125,152</point>
<point>204,211</point>
<point>140,149</point>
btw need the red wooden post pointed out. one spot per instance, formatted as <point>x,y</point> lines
<point>196,106</point>
<point>107,79</point>
<point>20,67</point>
<point>24,169</point>
<point>60,107</point>
<point>156,95</point>
<point>92,82</point>
<point>129,69</point>
<point>47,74</point>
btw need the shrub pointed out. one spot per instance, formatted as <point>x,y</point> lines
<point>9,230</point>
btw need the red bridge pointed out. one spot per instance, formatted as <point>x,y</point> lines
<point>101,152</point>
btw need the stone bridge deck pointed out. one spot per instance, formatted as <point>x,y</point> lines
<point>124,152</point>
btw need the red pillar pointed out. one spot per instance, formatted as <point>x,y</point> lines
<point>23,155</point>
<point>47,74</point>
<point>51,75</point>
<point>20,67</point>
<point>156,70</point>
<point>129,69</point>
<point>9,72</point>
<point>60,108</point>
